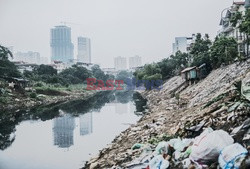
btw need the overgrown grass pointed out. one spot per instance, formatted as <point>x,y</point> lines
<point>61,88</point>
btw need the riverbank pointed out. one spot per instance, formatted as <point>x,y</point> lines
<point>208,102</point>
<point>41,96</point>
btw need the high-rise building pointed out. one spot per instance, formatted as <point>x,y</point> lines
<point>120,63</point>
<point>28,57</point>
<point>182,44</point>
<point>134,62</point>
<point>61,46</point>
<point>84,50</point>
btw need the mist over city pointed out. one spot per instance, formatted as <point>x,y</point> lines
<point>116,28</point>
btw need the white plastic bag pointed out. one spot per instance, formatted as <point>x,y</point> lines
<point>161,148</point>
<point>232,156</point>
<point>186,163</point>
<point>158,162</point>
<point>207,146</point>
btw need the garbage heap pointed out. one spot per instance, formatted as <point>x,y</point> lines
<point>191,126</point>
<point>196,144</point>
<point>211,149</point>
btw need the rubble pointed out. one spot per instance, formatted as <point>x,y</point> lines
<point>215,102</point>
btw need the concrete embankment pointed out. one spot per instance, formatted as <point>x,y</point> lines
<point>208,102</point>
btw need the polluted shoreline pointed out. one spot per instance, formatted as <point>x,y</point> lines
<point>71,124</point>
<point>179,116</point>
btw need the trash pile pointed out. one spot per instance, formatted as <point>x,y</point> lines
<point>211,149</point>
<point>220,102</point>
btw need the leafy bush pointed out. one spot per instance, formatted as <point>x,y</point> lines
<point>39,84</point>
<point>50,92</point>
<point>33,95</point>
<point>3,100</point>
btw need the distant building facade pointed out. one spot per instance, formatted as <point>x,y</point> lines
<point>84,50</point>
<point>227,28</point>
<point>183,44</point>
<point>24,66</point>
<point>135,62</point>
<point>59,66</point>
<point>61,46</point>
<point>28,57</point>
<point>120,63</point>
<point>86,65</point>
<point>110,71</point>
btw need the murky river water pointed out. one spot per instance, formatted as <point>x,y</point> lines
<point>64,136</point>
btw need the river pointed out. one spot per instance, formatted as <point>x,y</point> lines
<point>65,136</point>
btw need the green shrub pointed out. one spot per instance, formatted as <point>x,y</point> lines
<point>39,84</point>
<point>33,95</point>
<point>3,100</point>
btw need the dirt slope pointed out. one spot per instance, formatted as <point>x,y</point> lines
<point>207,102</point>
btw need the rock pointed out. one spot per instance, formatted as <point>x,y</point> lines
<point>94,165</point>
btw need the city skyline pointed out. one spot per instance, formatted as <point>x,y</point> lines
<point>148,30</point>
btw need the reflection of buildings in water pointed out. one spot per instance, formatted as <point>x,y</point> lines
<point>121,108</point>
<point>131,107</point>
<point>86,124</point>
<point>63,131</point>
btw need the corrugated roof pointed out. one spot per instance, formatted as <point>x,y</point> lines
<point>188,69</point>
<point>239,3</point>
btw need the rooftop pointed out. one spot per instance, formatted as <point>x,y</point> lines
<point>239,3</point>
<point>188,69</point>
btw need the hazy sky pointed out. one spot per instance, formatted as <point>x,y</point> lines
<point>116,27</point>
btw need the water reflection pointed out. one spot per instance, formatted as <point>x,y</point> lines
<point>64,123</point>
<point>86,124</point>
<point>63,131</point>
<point>64,135</point>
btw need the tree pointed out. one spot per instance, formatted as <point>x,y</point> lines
<point>223,50</point>
<point>148,70</point>
<point>99,74</point>
<point>200,53</point>
<point>75,74</point>
<point>5,53</point>
<point>81,73</point>
<point>167,67</point>
<point>7,68</point>
<point>123,75</point>
<point>45,70</point>
<point>236,18</point>
<point>181,59</point>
